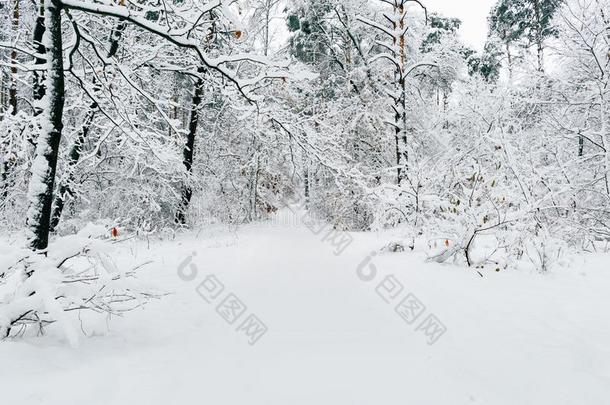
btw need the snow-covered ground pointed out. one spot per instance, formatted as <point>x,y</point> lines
<point>512,337</point>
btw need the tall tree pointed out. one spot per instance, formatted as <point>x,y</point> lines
<point>13,89</point>
<point>393,29</point>
<point>40,192</point>
<point>507,22</point>
<point>527,20</point>
<point>189,148</point>
<point>539,14</point>
<point>487,64</point>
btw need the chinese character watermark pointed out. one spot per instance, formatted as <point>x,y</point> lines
<point>410,308</point>
<point>230,308</point>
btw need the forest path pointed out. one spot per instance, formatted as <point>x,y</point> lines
<point>511,337</point>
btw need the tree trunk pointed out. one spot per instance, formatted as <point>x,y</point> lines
<point>604,110</point>
<point>12,102</point>
<point>13,90</point>
<point>65,185</point>
<point>254,186</point>
<point>400,104</point>
<point>38,85</point>
<point>188,151</point>
<point>509,57</point>
<point>539,46</point>
<point>40,191</point>
<point>306,186</point>
<point>266,27</point>
<point>2,109</point>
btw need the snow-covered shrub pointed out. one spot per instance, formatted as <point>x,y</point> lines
<point>341,203</point>
<point>15,151</point>
<point>545,252</point>
<point>76,273</point>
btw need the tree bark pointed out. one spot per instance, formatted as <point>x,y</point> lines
<point>509,57</point>
<point>65,187</point>
<point>13,90</point>
<point>40,191</point>
<point>188,151</point>
<point>539,46</point>
<point>400,131</point>
<point>2,106</point>
<point>38,85</point>
<point>252,208</point>
<point>400,104</point>
<point>306,185</point>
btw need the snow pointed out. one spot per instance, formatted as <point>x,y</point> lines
<point>512,337</point>
<point>178,38</point>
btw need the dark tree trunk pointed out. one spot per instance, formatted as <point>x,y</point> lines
<point>115,37</point>
<point>307,189</point>
<point>13,90</point>
<point>39,29</point>
<point>397,141</point>
<point>4,179</point>
<point>65,186</point>
<point>188,151</point>
<point>40,192</point>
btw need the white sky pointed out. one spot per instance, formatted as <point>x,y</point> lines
<point>473,14</point>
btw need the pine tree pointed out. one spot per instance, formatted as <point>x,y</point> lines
<point>507,22</point>
<point>529,21</point>
<point>487,65</point>
<point>540,27</point>
<point>308,27</point>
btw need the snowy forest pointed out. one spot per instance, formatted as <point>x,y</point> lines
<point>154,152</point>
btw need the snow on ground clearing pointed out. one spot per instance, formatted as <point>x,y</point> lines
<point>331,338</point>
